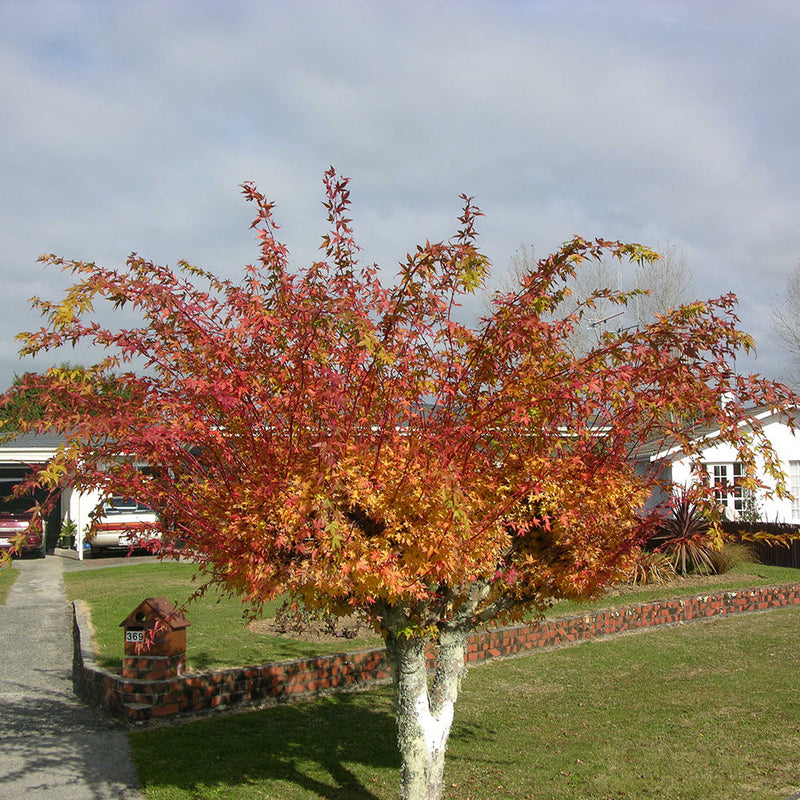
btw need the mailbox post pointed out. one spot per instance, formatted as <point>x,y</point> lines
<point>155,641</point>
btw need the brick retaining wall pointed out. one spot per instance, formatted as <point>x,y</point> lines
<point>142,700</point>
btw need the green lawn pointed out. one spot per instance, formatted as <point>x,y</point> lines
<point>742,576</point>
<point>7,577</point>
<point>708,711</point>
<point>218,637</point>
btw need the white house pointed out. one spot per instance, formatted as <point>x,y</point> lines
<point>118,527</point>
<point>719,459</point>
<point>17,458</point>
<point>120,516</point>
<point>723,469</point>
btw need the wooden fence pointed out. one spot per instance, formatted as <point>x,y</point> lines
<point>776,555</point>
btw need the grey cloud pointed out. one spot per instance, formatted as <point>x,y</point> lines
<point>129,126</point>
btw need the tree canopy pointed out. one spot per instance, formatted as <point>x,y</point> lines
<point>322,433</point>
<point>785,320</point>
<point>20,403</point>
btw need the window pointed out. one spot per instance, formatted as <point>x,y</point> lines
<point>119,504</point>
<point>124,505</point>
<point>726,482</point>
<point>794,488</point>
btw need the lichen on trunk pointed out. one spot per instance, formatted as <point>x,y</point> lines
<point>424,708</point>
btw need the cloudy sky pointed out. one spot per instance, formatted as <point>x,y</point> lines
<point>128,126</point>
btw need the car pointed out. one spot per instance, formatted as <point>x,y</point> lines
<point>12,525</point>
<point>124,523</point>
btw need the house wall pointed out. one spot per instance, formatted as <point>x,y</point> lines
<point>787,446</point>
<point>659,496</point>
<point>78,505</point>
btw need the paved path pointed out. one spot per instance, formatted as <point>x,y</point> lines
<point>52,746</point>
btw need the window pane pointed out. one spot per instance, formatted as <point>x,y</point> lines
<point>794,488</point>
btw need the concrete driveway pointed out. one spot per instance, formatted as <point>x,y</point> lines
<point>52,746</point>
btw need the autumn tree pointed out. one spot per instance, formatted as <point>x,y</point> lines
<point>786,320</point>
<point>655,286</point>
<point>20,402</point>
<point>24,400</point>
<point>325,434</point>
<point>667,283</point>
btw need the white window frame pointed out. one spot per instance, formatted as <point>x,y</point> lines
<point>794,488</point>
<point>725,478</point>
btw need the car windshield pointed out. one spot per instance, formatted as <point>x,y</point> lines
<point>124,505</point>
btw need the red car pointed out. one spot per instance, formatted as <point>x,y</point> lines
<point>12,524</point>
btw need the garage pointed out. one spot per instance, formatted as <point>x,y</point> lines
<point>17,458</point>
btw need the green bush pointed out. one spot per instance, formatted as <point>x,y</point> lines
<point>732,555</point>
<point>652,568</point>
<point>69,531</point>
<point>684,539</point>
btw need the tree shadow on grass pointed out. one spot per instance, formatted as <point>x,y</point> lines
<point>334,748</point>
<point>201,660</point>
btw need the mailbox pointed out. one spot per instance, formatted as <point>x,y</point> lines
<point>155,628</point>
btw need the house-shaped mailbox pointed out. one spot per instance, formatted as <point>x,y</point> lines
<point>155,628</point>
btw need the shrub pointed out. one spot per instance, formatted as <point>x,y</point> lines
<point>69,530</point>
<point>731,555</point>
<point>651,568</point>
<point>684,538</point>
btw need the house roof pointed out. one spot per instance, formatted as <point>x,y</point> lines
<point>30,448</point>
<point>657,449</point>
<point>27,441</point>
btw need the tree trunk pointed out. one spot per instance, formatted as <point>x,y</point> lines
<point>424,715</point>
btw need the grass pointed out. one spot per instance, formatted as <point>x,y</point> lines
<point>742,576</point>
<point>7,577</point>
<point>218,636</point>
<point>708,711</point>
<point>705,711</point>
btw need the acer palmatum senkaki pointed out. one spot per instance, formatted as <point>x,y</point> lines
<point>318,433</point>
